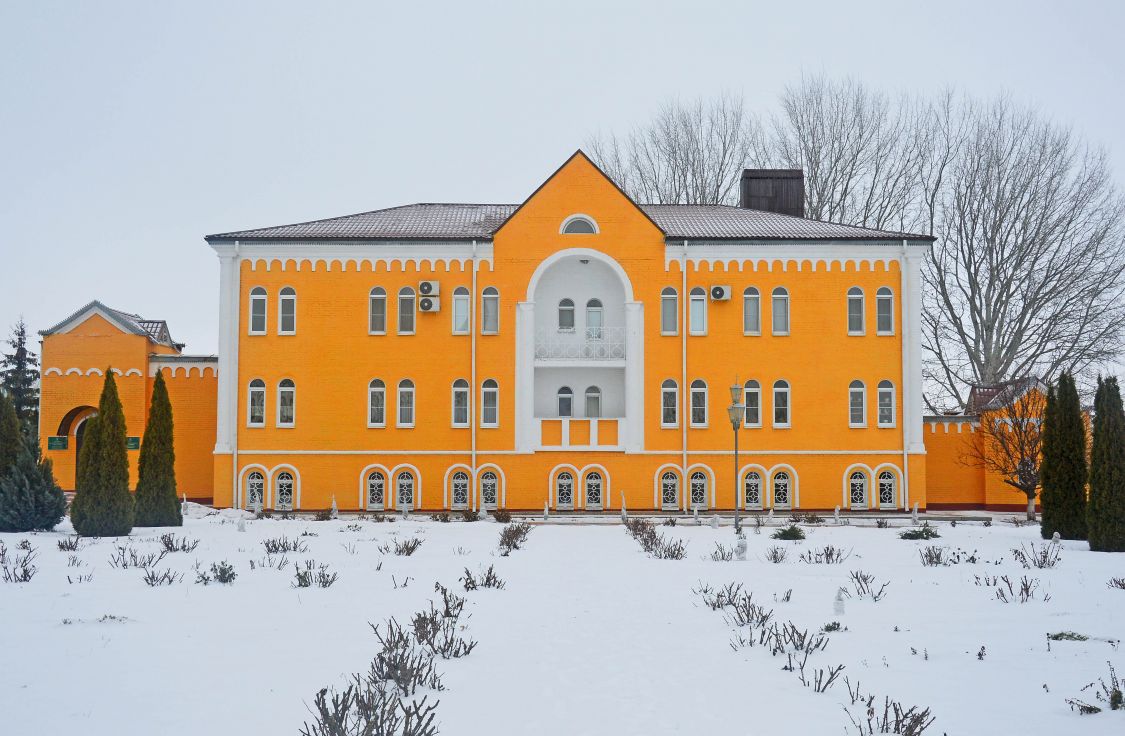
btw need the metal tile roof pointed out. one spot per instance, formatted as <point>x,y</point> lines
<point>479,221</point>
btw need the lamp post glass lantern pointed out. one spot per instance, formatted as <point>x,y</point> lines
<point>735,412</point>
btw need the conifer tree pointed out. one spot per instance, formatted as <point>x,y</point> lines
<point>103,506</point>
<point>90,438</point>
<point>1106,510</point>
<point>1064,463</point>
<point>10,437</point>
<point>30,500</point>
<point>156,478</point>
<point>19,375</point>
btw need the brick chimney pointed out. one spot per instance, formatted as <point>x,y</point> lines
<point>773,190</point>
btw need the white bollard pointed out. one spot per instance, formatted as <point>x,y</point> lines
<point>241,524</point>
<point>838,604</point>
<point>335,510</point>
<point>740,548</point>
<point>914,515</point>
<point>715,522</point>
<point>836,515</point>
<point>546,509</point>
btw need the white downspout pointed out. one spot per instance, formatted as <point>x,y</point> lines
<point>904,321</point>
<point>683,395</point>
<point>237,288</point>
<point>473,380</point>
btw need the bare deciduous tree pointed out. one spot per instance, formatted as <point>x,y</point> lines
<point>1010,443</point>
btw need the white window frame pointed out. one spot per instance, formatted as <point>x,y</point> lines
<point>251,390</point>
<point>558,481</point>
<point>788,489</point>
<point>566,305</point>
<point>751,295</point>
<point>859,476</point>
<point>595,393</point>
<point>780,295</point>
<point>453,480</point>
<point>782,387</point>
<point>752,387</point>
<point>594,308</point>
<point>761,490</point>
<point>697,299</point>
<point>253,477</point>
<point>413,490</point>
<point>857,390</point>
<point>493,294</point>
<point>566,393</point>
<point>462,303</point>
<point>258,297</point>
<point>485,390</point>
<point>579,218</point>
<point>664,482</point>
<point>406,390</point>
<point>879,489</point>
<point>698,387</point>
<point>674,390</point>
<point>885,294</point>
<point>371,391</point>
<point>281,478</point>
<point>856,297</point>
<point>669,294</point>
<point>377,294</point>
<point>886,388</point>
<point>281,389</point>
<point>460,387</point>
<point>406,294</point>
<point>484,478</point>
<point>705,480</point>
<point>367,490</point>
<point>286,296</point>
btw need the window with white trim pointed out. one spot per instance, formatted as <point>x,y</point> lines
<point>564,491</point>
<point>780,311</point>
<point>566,315</point>
<point>490,404</point>
<point>857,404</point>
<point>566,402</point>
<point>752,399</point>
<point>697,311</point>
<point>405,403</point>
<point>886,401</point>
<point>377,311</point>
<point>376,490</point>
<point>489,490</point>
<point>884,311</point>
<point>888,490</point>
<point>698,403</point>
<point>781,490</point>
<point>490,311</point>
<point>460,403</point>
<point>376,403</point>
<point>595,320</point>
<point>669,491</point>
<point>256,404</point>
<point>593,490</point>
<point>579,225</point>
<point>286,403</point>
<point>405,487</point>
<point>406,316</point>
<point>752,490</point>
<point>283,499</point>
<point>255,490</point>
<point>459,490</point>
<point>698,488</point>
<point>781,397</point>
<point>855,311</point>
<point>669,311</point>
<point>460,313</point>
<point>857,490</point>
<point>287,311</point>
<point>593,402</point>
<point>258,308</point>
<point>669,404</point>
<point>751,311</point>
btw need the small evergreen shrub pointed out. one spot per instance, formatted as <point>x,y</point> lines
<point>882,524</point>
<point>221,572</point>
<point>789,533</point>
<point>669,521</point>
<point>923,532</point>
<point>443,518</point>
<point>323,515</point>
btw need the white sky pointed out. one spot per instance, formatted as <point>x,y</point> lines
<point>128,131</point>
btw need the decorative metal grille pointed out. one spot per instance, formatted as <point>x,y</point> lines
<point>781,490</point>
<point>857,493</point>
<point>564,487</point>
<point>887,488</point>
<point>255,490</point>
<point>375,487</point>
<point>488,489</point>
<point>405,490</point>
<point>593,491</point>
<point>460,490</point>
<point>698,489</point>
<point>752,487</point>
<point>670,491</point>
<point>285,492</point>
<point>595,343</point>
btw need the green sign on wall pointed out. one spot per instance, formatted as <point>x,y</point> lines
<point>56,443</point>
<point>132,443</point>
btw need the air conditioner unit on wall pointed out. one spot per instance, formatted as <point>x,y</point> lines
<point>429,304</point>
<point>720,293</point>
<point>429,288</point>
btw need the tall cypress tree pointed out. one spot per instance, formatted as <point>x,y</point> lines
<point>104,504</point>
<point>1064,463</point>
<point>1106,510</point>
<point>156,481</point>
<point>19,375</point>
<point>10,437</point>
<point>88,451</point>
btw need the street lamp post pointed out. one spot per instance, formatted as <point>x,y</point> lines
<point>736,411</point>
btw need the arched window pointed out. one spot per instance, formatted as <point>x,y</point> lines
<point>405,487</point>
<point>284,498</point>
<point>781,497</point>
<point>564,491</point>
<point>377,312</point>
<point>669,311</point>
<point>376,404</point>
<point>255,490</point>
<point>406,316</point>
<point>490,311</point>
<point>593,402</point>
<point>855,311</point>
<point>459,487</point>
<point>752,490</point>
<point>579,225</point>
<point>669,404</point>
<point>566,315</point>
<point>888,490</point>
<point>257,311</point>
<point>256,404</point>
<point>884,311</point>
<point>857,404</point>
<point>699,490</point>
<point>376,488</point>
<point>751,311</point>
<point>752,398</point>
<point>461,303</point>
<point>886,404</point>
<point>781,413</point>
<point>780,312</point>
<point>594,491</point>
<point>595,320</point>
<point>460,403</point>
<point>698,403</point>
<point>489,404</point>
<point>405,403</point>
<point>566,402</point>
<point>857,490</point>
<point>697,311</point>
<point>669,491</point>
<point>287,311</point>
<point>286,403</point>
<point>489,490</point>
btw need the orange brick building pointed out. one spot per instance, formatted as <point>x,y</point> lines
<point>575,351</point>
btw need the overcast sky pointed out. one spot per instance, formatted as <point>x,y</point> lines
<point>128,131</point>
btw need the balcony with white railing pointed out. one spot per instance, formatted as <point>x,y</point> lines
<point>592,344</point>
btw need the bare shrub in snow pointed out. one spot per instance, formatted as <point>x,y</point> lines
<point>273,562</point>
<point>933,556</point>
<point>87,578</point>
<point>468,515</point>
<point>153,578</point>
<point>1118,583</point>
<point>1008,591</point>
<point>743,611</point>
<point>716,599</point>
<point>221,572</point>
<point>810,518</point>
<point>790,533</point>
<point>1041,557</point>
<point>311,574</point>
<point>407,547</point>
<point>864,585</point>
<point>722,553</point>
<point>1110,693</point>
<point>440,634</point>
<point>401,663</point>
<point>18,568</point>
<point>443,518</point>
<point>776,554</point>
<point>69,544</point>
<point>669,549</point>
<point>74,561</point>
<point>512,537</point>
<point>502,516</point>
<point>895,718</point>
<point>452,604</point>
<point>367,707</point>
<point>831,626</point>
<point>485,579</point>
<point>882,524</point>
<point>827,555</point>
<point>670,521</point>
<point>183,544</point>
<point>278,545</point>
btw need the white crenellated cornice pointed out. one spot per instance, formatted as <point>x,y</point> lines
<point>728,257</point>
<point>364,255</point>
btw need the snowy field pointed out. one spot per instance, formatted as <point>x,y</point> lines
<point>589,636</point>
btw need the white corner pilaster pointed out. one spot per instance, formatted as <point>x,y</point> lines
<point>633,441</point>
<point>912,339</point>
<point>227,399</point>
<point>526,435</point>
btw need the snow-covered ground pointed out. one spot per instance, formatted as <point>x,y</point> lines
<point>590,636</point>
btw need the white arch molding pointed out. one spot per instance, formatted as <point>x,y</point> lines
<point>392,481</point>
<point>845,502</point>
<point>687,484</point>
<point>296,479</point>
<point>446,492</point>
<point>502,492</point>
<point>240,494</point>
<point>900,500</point>
<point>742,473</point>
<point>794,484</point>
<point>553,475</point>
<point>656,490</point>
<point>363,483</point>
